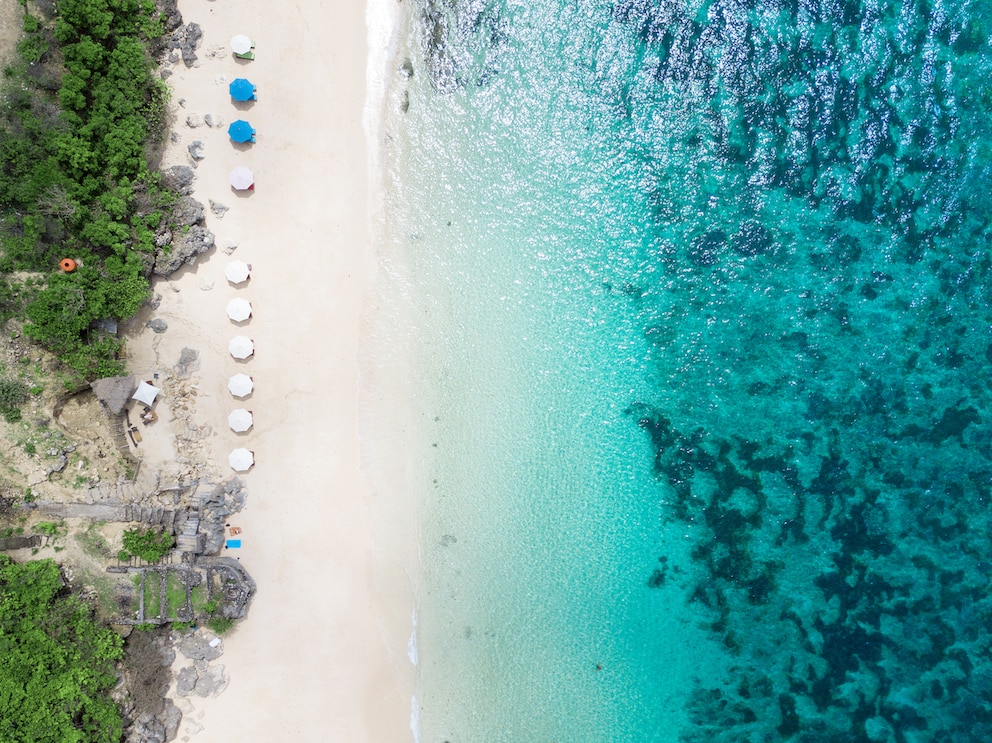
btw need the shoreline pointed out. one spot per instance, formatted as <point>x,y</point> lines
<point>322,653</point>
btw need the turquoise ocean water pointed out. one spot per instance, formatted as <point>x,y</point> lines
<point>702,297</point>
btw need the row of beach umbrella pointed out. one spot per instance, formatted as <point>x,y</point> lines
<point>242,90</point>
<point>239,310</point>
<point>241,347</point>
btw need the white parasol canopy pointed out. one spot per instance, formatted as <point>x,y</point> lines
<point>239,309</point>
<point>240,420</point>
<point>241,460</point>
<point>241,347</point>
<point>242,178</point>
<point>237,271</point>
<point>240,385</point>
<point>146,393</point>
<point>241,44</point>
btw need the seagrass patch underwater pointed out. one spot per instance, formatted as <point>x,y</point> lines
<point>709,281</point>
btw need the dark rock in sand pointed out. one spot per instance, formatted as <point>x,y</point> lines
<point>157,325</point>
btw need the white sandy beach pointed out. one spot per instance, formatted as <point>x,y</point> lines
<point>322,655</point>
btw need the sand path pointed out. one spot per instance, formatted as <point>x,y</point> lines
<point>321,657</point>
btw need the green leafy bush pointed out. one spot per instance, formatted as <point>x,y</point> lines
<point>79,115</point>
<point>57,666</point>
<point>220,625</point>
<point>13,394</point>
<point>148,544</point>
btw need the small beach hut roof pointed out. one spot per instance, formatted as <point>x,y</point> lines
<point>240,385</point>
<point>241,460</point>
<point>241,347</point>
<point>242,178</point>
<point>146,393</point>
<point>114,393</point>
<point>242,89</point>
<point>237,271</point>
<point>240,44</point>
<point>239,309</point>
<point>240,131</point>
<point>240,420</point>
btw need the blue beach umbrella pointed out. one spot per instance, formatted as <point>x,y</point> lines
<point>242,90</point>
<point>241,131</point>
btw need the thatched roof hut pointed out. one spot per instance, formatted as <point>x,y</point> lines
<point>114,392</point>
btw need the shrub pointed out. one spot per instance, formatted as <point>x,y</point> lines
<point>220,625</point>
<point>13,394</point>
<point>148,544</point>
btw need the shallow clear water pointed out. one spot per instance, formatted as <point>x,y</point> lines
<point>701,292</point>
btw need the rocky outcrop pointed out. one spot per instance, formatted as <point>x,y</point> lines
<point>202,679</point>
<point>183,236</point>
<point>172,20</point>
<point>215,508</point>
<point>149,717</point>
<point>187,40</point>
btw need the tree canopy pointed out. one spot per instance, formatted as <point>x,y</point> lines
<point>56,664</point>
<point>80,113</point>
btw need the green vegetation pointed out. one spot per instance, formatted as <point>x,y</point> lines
<point>13,394</point>
<point>175,592</point>
<point>51,528</point>
<point>57,665</point>
<point>148,544</point>
<point>153,595</point>
<point>220,625</point>
<point>80,116</point>
<point>198,599</point>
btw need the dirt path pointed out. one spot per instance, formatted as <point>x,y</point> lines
<point>10,29</point>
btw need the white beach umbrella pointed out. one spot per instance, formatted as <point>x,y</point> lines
<point>242,178</point>
<point>240,420</point>
<point>241,460</point>
<point>241,44</point>
<point>146,393</point>
<point>239,309</point>
<point>237,271</point>
<point>241,347</point>
<point>240,385</point>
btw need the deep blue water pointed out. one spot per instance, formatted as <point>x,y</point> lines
<point>704,292</point>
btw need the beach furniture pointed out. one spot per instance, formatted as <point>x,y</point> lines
<point>146,393</point>
<point>237,271</point>
<point>240,385</point>
<point>233,544</point>
<point>241,347</point>
<point>243,47</point>
<point>240,420</point>
<point>242,179</point>
<point>239,309</point>
<point>241,131</point>
<point>241,460</point>
<point>242,90</point>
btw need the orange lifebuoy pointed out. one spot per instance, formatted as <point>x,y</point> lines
<point>68,265</point>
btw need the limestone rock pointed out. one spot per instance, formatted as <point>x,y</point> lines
<point>185,250</point>
<point>194,121</point>
<point>186,681</point>
<point>213,121</point>
<point>158,325</point>
<point>197,647</point>
<point>179,178</point>
<point>197,149</point>
<point>219,209</point>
